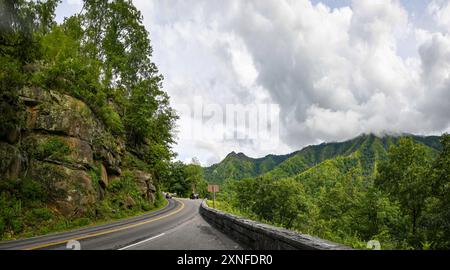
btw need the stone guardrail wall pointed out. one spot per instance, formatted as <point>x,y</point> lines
<point>258,236</point>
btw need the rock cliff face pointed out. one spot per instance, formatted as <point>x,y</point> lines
<point>60,144</point>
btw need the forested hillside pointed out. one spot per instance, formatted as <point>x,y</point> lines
<point>391,189</point>
<point>86,128</point>
<point>238,166</point>
<point>369,148</point>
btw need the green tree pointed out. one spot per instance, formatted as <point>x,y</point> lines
<point>377,217</point>
<point>175,178</point>
<point>186,179</point>
<point>115,34</point>
<point>194,174</point>
<point>282,201</point>
<point>405,177</point>
<point>438,218</point>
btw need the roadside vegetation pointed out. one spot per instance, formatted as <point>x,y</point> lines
<point>101,56</point>
<point>404,203</point>
<point>26,213</point>
<point>185,179</point>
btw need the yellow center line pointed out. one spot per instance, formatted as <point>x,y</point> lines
<point>107,231</point>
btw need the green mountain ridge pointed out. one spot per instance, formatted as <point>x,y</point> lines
<point>239,166</point>
<point>368,149</point>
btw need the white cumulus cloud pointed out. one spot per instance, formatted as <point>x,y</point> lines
<point>371,66</point>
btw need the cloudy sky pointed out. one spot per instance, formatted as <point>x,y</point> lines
<point>336,68</point>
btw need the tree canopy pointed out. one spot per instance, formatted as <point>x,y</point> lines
<point>404,203</point>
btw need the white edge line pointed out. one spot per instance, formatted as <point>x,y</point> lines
<point>138,243</point>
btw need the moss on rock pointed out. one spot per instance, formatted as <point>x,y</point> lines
<point>70,151</point>
<point>71,191</point>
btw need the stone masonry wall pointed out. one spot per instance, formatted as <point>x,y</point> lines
<point>260,236</point>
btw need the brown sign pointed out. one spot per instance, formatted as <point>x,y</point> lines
<point>213,188</point>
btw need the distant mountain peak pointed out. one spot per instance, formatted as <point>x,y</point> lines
<point>233,154</point>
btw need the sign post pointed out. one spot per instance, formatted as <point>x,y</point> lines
<point>213,189</point>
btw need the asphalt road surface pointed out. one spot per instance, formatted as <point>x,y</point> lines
<point>177,226</point>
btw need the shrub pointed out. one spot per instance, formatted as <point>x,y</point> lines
<point>125,186</point>
<point>111,119</point>
<point>10,214</point>
<point>52,148</point>
<point>31,190</point>
<point>79,222</point>
<point>36,217</point>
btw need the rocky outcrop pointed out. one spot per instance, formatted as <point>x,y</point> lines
<point>78,153</point>
<point>145,184</point>
<point>71,190</point>
<point>59,145</point>
<point>11,161</point>
<point>104,179</point>
<point>49,111</point>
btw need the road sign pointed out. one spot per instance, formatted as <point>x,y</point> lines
<point>213,188</point>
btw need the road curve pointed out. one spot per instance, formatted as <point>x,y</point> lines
<point>178,226</point>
